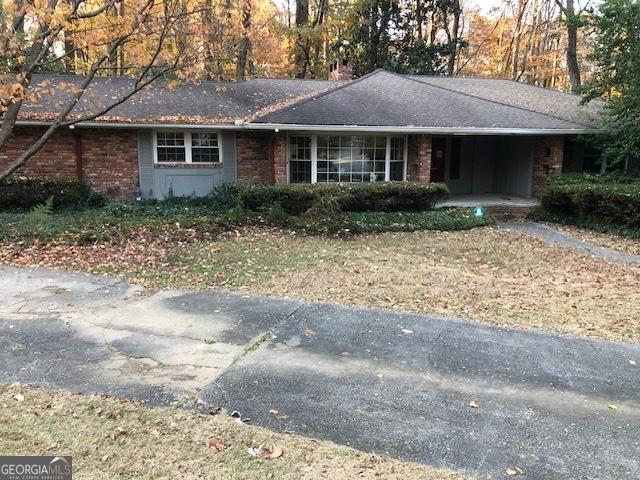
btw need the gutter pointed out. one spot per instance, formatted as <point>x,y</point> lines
<point>134,125</point>
<point>329,128</point>
<point>431,130</point>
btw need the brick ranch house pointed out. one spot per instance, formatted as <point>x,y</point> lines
<point>476,135</point>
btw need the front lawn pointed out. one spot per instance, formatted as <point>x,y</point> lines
<point>111,438</point>
<point>486,274</point>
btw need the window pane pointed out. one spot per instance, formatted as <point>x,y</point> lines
<point>300,148</point>
<point>397,148</point>
<point>396,171</point>
<point>171,154</point>
<point>299,172</point>
<point>204,139</point>
<point>205,155</point>
<point>170,138</point>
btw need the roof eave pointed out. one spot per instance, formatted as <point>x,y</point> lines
<point>332,128</point>
<point>217,126</point>
<point>413,129</point>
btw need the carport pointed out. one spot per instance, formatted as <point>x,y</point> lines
<point>477,165</point>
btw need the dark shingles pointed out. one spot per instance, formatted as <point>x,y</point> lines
<point>378,99</point>
<point>387,99</point>
<point>205,102</point>
<point>521,95</point>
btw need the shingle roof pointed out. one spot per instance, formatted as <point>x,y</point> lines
<point>386,99</point>
<point>198,103</point>
<point>521,95</point>
<point>380,99</point>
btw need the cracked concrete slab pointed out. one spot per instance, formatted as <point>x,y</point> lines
<point>401,384</point>
<point>96,334</point>
<point>42,290</point>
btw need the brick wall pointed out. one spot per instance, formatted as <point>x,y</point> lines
<point>548,156</point>
<point>419,158</point>
<point>261,157</point>
<point>280,159</point>
<point>109,157</point>
<point>252,156</point>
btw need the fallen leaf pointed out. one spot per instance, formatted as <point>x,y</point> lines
<point>116,415</point>
<point>474,404</point>
<point>276,453</point>
<point>216,444</point>
<point>511,471</point>
<point>19,397</point>
<point>613,406</point>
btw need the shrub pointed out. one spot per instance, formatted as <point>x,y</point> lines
<point>592,178</point>
<point>389,196</point>
<point>442,219</point>
<point>594,197</point>
<point>26,193</point>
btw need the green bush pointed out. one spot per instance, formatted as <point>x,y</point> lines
<point>442,219</point>
<point>379,197</point>
<point>26,193</point>
<point>595,197</point>
<point>592,178</point>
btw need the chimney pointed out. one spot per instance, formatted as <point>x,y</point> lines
<point>341,70</point>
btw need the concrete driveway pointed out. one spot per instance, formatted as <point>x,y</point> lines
<point>555,407</point>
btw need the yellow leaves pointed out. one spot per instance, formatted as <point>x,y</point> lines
<point>613,406</point>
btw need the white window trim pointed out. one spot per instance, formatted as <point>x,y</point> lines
<point>314,153</point>
<point>187,148</point>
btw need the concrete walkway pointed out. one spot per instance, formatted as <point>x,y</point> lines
<point>553,406</point>
<point>562,239</point>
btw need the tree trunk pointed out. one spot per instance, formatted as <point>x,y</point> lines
<point>451,65</point>
<point>244,44</point>
<point>300,58</point>
<point>572,48</point>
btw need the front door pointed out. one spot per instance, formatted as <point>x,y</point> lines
<point>438,149</point>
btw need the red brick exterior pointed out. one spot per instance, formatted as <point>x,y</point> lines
<point>419,158</point>
<point>261,157</point>
<point>252,156</point>
<point>280,159</point>
<point>548,156</point>
<point>106,158</point>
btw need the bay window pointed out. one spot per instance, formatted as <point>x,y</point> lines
<point>346,158</point>
<point>187,147</point>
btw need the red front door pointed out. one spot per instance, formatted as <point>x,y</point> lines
<point>438,147</point>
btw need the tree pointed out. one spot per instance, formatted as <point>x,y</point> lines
<point>405,36</point>
<point>616,53</point>
<point>573,21</point>
<point>149,30</point>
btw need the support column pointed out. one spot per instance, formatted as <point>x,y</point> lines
<point>548,156</point>
<point>419,158</point>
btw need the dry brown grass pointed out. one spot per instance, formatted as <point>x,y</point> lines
<point>614,242</point>
<point>111,438</point>
<point>485,274</point>
<point>488,274</point>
